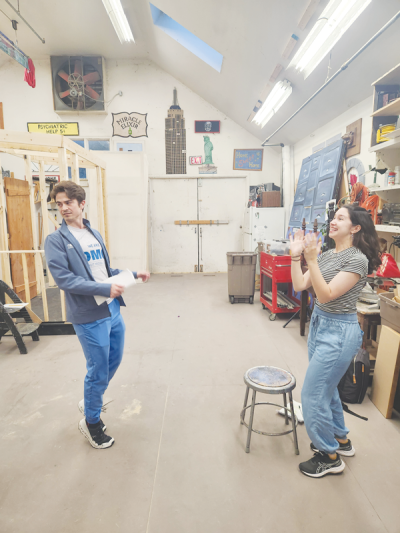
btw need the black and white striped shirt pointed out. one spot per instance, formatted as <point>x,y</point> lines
<point>349,260</point>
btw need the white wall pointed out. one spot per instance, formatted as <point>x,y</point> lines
<point>363,110</point>
<point>146,89</point>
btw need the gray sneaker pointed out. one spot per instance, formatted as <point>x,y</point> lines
<point>346,449</point>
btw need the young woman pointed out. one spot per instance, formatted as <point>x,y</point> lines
<point>337,277</point>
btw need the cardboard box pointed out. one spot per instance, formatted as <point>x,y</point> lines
<point>271,199</point>
<point>390,311</point>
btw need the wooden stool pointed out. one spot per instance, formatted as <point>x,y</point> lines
<point>269,380</point>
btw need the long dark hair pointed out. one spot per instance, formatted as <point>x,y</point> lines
<point>366,240</point>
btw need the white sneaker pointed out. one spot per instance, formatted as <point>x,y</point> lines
<point>81,407</point>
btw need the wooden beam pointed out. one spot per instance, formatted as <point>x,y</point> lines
<point>75,168</point>
<point>34,317</point>
<point>20,139</point>
<point>45,219</point>
<point>72,147</point>
<point>53,220</point>
<point>308,13</point>
<point>44,297</point>
<point>200,222</point>
<point>105,205</point>
<point>5,262</point>
<point>63,310</point>
<point>28,176</point>
<point>100,203</point>
<point>26,280</point>
<point>63,164</point>
<point>1,116</point>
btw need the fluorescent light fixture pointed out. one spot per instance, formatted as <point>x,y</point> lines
<point>276,98</point>
<point>336,18</point>
<point>118,18</point>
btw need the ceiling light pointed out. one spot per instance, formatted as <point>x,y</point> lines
<point>336,18</point>
<point>276,98</point>
<point>118,18</point>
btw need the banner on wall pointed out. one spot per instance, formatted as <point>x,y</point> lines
<point>54,128</point>
<point>129,124</point>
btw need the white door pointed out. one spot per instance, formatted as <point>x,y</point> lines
<point>174,247</point>
<point>220,199</point>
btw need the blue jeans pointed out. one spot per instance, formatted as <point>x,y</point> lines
<point>103,345</point>
<point>333,341</point>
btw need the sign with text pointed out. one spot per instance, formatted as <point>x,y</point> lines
<point>195,160</point>
<point>129,125</point>
<point>248,159</point>
<point>54,128</point>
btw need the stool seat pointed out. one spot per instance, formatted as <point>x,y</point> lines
<point>269,380</point>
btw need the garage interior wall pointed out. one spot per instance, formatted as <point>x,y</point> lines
<point>146,89</point>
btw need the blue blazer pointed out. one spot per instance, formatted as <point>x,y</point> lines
<point>70,270</point>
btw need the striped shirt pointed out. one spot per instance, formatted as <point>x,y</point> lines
<point>349,260</point>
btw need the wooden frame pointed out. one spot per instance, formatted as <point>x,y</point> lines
<point>248,150</point>
<point>45,148</point>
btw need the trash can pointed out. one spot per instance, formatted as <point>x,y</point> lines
<point>241,276</point>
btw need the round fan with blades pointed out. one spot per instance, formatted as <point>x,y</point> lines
<point>79,84</point>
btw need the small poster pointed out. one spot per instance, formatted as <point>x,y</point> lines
<point>129,124</point>
<point>207,126</point>
<point>54,128</point>
<point>248,159</point>
<point>195,160</point>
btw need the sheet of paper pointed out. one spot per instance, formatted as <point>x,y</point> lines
<point>124,278</point>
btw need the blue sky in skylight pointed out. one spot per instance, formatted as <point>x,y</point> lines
<point>186,38</point>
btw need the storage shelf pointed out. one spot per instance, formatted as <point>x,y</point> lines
<point>390,78</point>
<point>389,194</point>
<point>387,229</point>
<point>392,144</point>
<point>388,110</point>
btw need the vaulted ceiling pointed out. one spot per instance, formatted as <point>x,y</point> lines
<point>251,35</point>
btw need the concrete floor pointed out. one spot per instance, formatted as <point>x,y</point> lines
<point>178,464</point>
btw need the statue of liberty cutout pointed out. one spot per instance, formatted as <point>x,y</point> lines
<point>208,167</point>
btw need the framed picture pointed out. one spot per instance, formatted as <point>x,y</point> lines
<point>207,126</point>
<point>248,159</point>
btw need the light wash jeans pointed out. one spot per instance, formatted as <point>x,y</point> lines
<point>333,341</point>
<point>103,345</point>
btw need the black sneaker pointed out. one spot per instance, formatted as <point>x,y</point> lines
<point>95,435</point>
<point>81,407</point>
<point>346,449</point>
<point>321,464</point>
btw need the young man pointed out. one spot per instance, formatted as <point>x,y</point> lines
<point>79,262</point>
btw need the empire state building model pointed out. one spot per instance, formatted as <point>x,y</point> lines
<point>175,139</point>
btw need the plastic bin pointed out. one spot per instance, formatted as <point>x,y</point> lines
<point>390,311</point>
<point>241,276</point>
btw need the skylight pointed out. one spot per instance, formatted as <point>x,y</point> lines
<point>184,37</point>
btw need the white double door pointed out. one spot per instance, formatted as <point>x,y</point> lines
<point>198,247</point>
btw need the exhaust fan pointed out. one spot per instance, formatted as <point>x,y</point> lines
<point>78,83</point>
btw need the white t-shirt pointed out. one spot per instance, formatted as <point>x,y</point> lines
<point>93,253</point>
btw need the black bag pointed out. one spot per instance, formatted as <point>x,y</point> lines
<point>353,385</point>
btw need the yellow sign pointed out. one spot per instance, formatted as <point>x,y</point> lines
<point>54,128</point>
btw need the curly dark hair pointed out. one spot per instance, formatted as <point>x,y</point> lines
<point>366,240</point>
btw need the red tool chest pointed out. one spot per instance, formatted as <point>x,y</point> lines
<point>275,269</point>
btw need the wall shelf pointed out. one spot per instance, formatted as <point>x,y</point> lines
<point>389,194</point>
<point>387,229</point>
<point>389,152</point>
<point>388,110</point>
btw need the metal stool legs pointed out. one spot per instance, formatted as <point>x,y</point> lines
<point>296,445</point>
<point>285,405</point>
<point>253,404</point>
